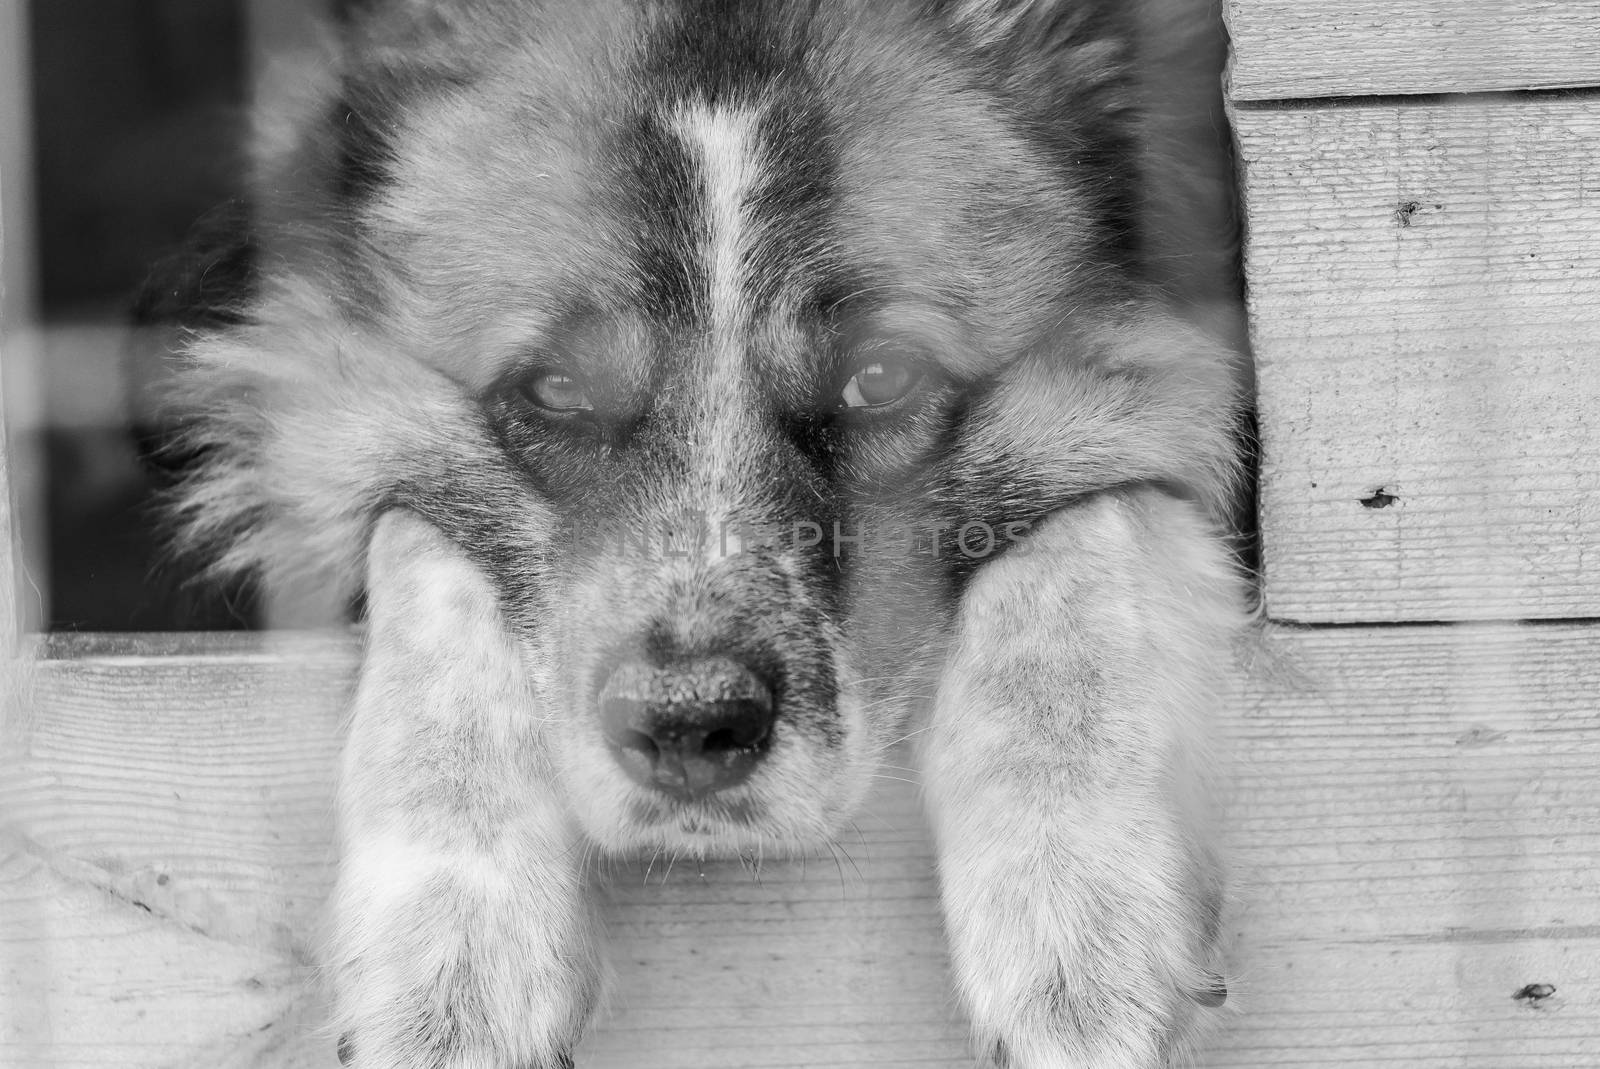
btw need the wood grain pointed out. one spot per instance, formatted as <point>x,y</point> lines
<point>16,309</point>
<point>98,979</point>
<point>1294,49</point>
<point>10,573</point>
<point>170,771</point>
<point>1425,302</point>
<point>1415,814</point>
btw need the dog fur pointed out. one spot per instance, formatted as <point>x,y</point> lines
<point>706,221</point>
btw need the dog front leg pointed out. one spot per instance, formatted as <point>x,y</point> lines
<point>1064,768</point>
<point>461,938</point>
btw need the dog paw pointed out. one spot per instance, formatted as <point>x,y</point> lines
<point>502,996</point>
<point>1068,975</point>
<point>347,1057</point>
<point>1070,1024</point>
<point>492,1021</point>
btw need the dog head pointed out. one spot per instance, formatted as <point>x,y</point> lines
<point>726,339</point>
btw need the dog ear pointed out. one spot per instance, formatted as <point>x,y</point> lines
<point>1054,53</point>
<point>1129,88</point>
<point>351,12</point>
<point>1065,71</point>
<point>419,26</point>
<point>391,54</point>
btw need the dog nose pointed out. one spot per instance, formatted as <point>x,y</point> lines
<point>689,730</point>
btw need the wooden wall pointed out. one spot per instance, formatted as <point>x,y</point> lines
<point>1299,50</point>
<point>1423,259</point>
<point>1414,816</point>
<point>1425,305</point>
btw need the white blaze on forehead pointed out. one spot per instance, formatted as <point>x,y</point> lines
<point>725,145</point>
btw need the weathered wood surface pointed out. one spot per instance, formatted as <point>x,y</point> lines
<point>10,566</point>
<point>1425,305</point>
<point>19,478</point>
<point>1295,49</point>
<point>1415,816</point>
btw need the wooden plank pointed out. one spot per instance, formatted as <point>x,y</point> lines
<point>93,978</point>
<point>11,615</point>
<point>173,772</point>
<point>1415,815</point>
<point>1448,1005</point>
<point>21,482</point>
<point>1293,49</point>
<point>1425,304</point>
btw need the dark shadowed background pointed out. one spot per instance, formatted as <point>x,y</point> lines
<point>137,133</point>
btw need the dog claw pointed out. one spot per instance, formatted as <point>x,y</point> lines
<point>1214,994</point>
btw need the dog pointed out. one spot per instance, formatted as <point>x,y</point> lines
<point>699,397</point>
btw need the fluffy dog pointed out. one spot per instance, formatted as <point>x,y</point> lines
<point>692,387</point>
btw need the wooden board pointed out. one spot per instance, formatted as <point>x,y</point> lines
<point>11,621</point>
<point>21,477</point>
<point>94,978</point>
<point>1292,48</point>
<point>1425,303</point>
<point>1414,821</point>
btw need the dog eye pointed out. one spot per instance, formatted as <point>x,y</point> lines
<point>559,392</point>
<point>879,382</point>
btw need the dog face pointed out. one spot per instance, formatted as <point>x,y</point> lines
<point>729,340</point>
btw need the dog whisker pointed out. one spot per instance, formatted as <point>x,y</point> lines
<point>834,853</point>
<point>897,779</point>
<point>840,848</point>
